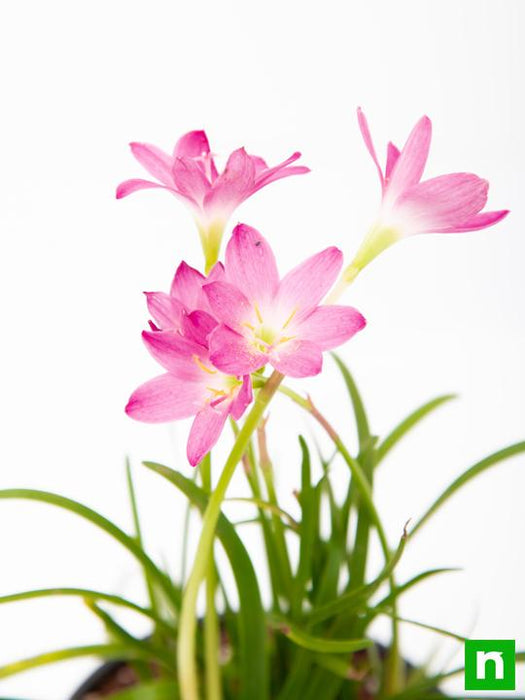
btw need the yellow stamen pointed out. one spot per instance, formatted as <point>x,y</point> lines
<point>289,318</point>
<point>203,366</point>
<point>258,313</point>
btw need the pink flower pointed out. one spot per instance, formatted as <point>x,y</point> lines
<point>186,303</point>
<point>264,319</point>
<point>445,204</point>
<point>191,175</point>
<point>192,386</point>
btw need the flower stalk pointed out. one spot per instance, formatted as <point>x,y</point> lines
<point>187,669</point>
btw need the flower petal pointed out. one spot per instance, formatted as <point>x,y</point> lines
<point>176,354</point>
<point>250,264</point>
<point>228,304</point>
<point>330,326</point>
<point>197,326</point>
<point>166,310</point>
<point>232,186</point>
<point>277,172</point>
<point>187,287</point>
<point>232,353</point>
<point>243,399</point>
<point>475,223</point>
<point>165,398</point>
<point>156,162</point>
<point>190,179</point>
<point>367,138</point>
<point>297,358</point>
<point>192,145</point>
<point>205,431</point>
<point>304,286</point>
<point>411,162</point>
<point>446,201</point>
<point>392,154</point>
<point>130,186</point>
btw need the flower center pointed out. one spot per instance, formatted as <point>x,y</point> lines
<point>267,331</point>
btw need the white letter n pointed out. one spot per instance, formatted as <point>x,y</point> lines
<point>481,664</point>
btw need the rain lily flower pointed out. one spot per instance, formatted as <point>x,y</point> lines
<point>445,204</point>
<point>192,176</point>
<point>191,386</point>
<point>186,304</point>
<point>267,320</point>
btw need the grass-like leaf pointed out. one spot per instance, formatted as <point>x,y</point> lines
<point>467,476</point>
<point>320,644</point>
<point>308,531</point>
<point>361,419</point>
<point>88,594</point>
<point>356,597</point>
<point>156,690</point>
<point>104,651</point>
<point>408,423</point>
<point>109,527</point>
<point>251,617</point>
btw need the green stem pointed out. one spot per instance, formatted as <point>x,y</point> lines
<point>211,622</point>
<point>187,669</point>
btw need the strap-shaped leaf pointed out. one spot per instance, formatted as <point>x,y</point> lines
<point>104,651</point>
<point>103,523</point>
<point>89,594</point>
<point>361,419</point>
<point>156,690</point>
<point>467,476</point>
<point>322,645</point>
<point>408,423</point>
<point>251,617</point>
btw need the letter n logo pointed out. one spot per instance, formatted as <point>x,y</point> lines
<point>490,664</point>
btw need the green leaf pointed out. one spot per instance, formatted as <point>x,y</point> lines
<point>105,651</point>
<point>468,475</point>
<point>89,594</point>
<point>265,505</point>
<point>408,423</point>
<point>104,524</point>
<point>430,628</point>
<point>363,429</point>
<point>157,690</point>
<point>308,523</point>
<point>402,588</point>
<point>320,644</point>
<point>251,617</point>
<point>356,597</point>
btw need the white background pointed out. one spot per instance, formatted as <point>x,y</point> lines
<point>79,81</point>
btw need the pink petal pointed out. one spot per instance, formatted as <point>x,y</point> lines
<point>330,326</point>
<point>367,138</point>
<point>216,274</point>
<point>232,353</point>
<point>232,186</point>
<point>392,154</point>
<point>264,177</point>
<point>250,264</point>
<point>297,358</point>
<point>412,160</point>
<point>187,287</point>
<point>166,310</point>
<point>243,399</point>
<point>304,286</point>
<point>228,304</point>
<point>444,201</point>
<point>190,179</point>
<point>192,145</point>
<point>205,431</point>
<point>165,398</point>
<point>197,326</point>
<point>176,354</point>
<point>475,223</point>
<point>130,186</point>
<point>156,162</point>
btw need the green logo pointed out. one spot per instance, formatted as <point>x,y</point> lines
<point>490,664</point>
